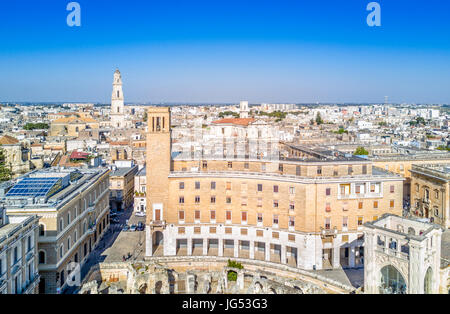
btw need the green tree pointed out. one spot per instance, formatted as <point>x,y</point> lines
<point>319,120</point>
<point>361,151</point>
<point>5,171</point>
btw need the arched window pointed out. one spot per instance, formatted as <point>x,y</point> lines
<point>411,231</point>
<point>41,257</point>
<point>61,224</point>
<point>392,282</point>
<point>68,218</point>
<point>68,243</point>
<point>61,251</point>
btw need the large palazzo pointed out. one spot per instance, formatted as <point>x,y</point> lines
<point>306,210</point>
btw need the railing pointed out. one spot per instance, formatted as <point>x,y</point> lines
<point>329,232</point>
<point>91,208</point>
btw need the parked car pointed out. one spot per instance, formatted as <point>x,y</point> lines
<point>140,227</point>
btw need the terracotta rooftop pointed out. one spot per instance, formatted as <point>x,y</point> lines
<point>8,140</point>
<point>237,121</point>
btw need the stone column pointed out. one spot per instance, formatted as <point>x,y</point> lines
<point>205,246</point>
<point>252,250</point>
<point>283,257</point>
<point>220,248</point>
<point>267,251</point>
<point>148,242</point>
<point>236,248</point>
<point>189,246</point>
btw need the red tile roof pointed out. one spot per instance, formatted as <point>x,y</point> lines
<point>238,121</point>
<point>79,155</point>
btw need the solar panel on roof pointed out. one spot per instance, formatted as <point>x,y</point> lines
<point>33,187</point>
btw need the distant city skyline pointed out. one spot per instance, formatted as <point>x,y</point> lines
<point>224,52</point>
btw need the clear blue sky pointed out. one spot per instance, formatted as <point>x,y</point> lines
<point>226,51</point>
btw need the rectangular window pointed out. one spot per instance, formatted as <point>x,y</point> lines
<point>275,235</point>
<point>181,230</point>
<point>350,170</point>
<point>259,233</point>
<point>212,230</point>
<point>244,216</point>
<point>228,215</point>
<point>275,189</point>
<point>392,203</point>
<point>275,203</point>
<point>319,170</point>
<point>181,215</point>
<point>228,186</point>
<point>291,237</point>
<point>292,205</point>
<point>364,169</point>
<point>298,171</point>
<point>213,185</point>
<point>228,230</point>
<point>213,215</point>
<point>328,192</point>
<point>280,167</point>
<point>328,207</point>
<point>197,215</point>
<point>358,189</point>
<point>375,204</point>
<point>263,167</point>
<point>292,190</point>
<point>244,201</point>
<point>259,202</point>
<point>181,185</point>
<point>275,219</point>
<point>205,165</point>
<point>197,200</point>
<point>197,185</point>
<point>344,222</point>
<point>392,188</point>
<point>213,199</point>
<point>246,165</point>
<point>197,230</point>
<point>360,221</point>
<point>345,189</point>
<point>230,165</point>
<point>260,217</point>
<point>360,205</point>
<point>181,200</point>
<point>244,231</point>
<point>228,200</point>
<point>291,221</point>
<point>260,187</point>
<point>328,223</point>
<point>375,218</point>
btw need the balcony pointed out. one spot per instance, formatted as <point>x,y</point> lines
<point>91,208</point>
<point>426,200</point>
<point>328,232</point>
<point>92,228</point>
<point>158,224</point>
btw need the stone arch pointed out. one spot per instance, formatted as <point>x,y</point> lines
<point>392,281</point>
<point>272,290</point>
<point>298,289</point>
<point>143,289</point>
<point>259,289</point>
<point>158,286</point>
<point>428,281</point>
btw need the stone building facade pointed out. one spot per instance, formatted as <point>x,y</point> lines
<point>430,195</point>
<point>18,254</point>
<point>73,216</point>
<point>403,256</point>
<point>305,213</point>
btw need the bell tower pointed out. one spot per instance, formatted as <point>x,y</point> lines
<point>158,169</point>
<point>117,102</point>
